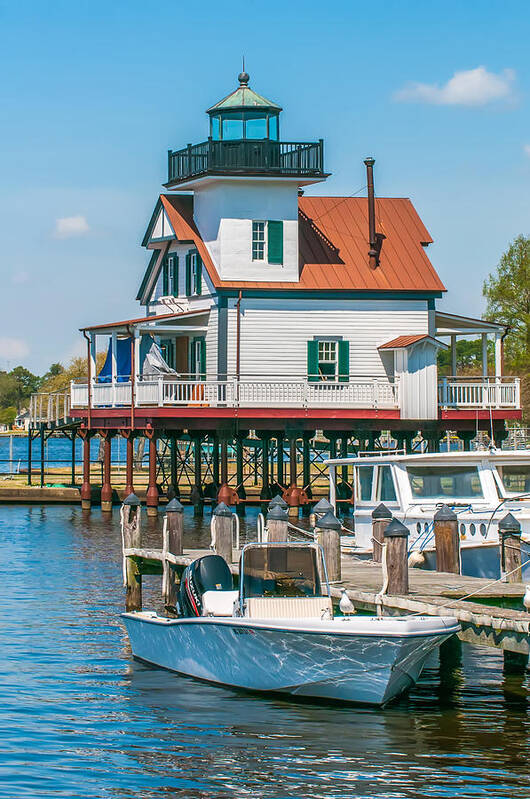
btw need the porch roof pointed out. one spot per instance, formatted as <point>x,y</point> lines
<point>449,324</point>
<point>125,324</point>
<point>402,342</point>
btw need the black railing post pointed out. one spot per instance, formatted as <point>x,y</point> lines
<point>169,170</point>
<point>321,155</point>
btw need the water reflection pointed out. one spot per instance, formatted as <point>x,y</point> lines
<point>79,718</point>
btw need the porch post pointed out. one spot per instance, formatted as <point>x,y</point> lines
<point>453,356</point>
<point>484,355</point>
<point>93,356</point>
<point>114,355</point>
<point>498,354</point>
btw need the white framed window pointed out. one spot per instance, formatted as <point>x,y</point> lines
<point>258,241</point>
<point>327,360</point>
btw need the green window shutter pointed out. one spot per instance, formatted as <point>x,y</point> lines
<point>188,274</point>
<point>165,273</point>
<point>198,275</point>
<point>344,361</point>
<point>275,242</point>
<point>174,288</point>
<point>203,359</point>
<point>312,361</point>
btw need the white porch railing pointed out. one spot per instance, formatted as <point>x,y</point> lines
<point>358,392</point>
<point>258,392</point>
<point>485,392</point>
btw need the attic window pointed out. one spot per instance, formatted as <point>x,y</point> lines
<point>267,241</point>
<point>258,241</point>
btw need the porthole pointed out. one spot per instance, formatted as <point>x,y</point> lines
<point>483,530</point>
<point>462,530</point>
<point>472,529</point>
<point>426,526</point>
<point>418,528</point>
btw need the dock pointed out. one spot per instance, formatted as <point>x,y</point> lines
<point>485,622</point>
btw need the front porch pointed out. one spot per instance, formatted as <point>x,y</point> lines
<point>496,393</point>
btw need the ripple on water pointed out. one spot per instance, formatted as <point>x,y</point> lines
<point>79,718</point>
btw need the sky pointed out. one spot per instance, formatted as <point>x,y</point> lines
<point>95,93</point>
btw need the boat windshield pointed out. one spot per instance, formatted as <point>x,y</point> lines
<point>280,571</point>
<point>515,478</point>
<point>445,482</point>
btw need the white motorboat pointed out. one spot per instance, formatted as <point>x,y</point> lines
<point>278,633</point>
<point>481,487</point>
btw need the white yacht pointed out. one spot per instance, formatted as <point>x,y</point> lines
<point>278,633</point>
<point>480,487</point>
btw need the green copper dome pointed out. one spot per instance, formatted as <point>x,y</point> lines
<point>243,98</point>
<point>244,114</point>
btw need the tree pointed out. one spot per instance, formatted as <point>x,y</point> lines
<point>508,294</point>
<point>26,384</point>
<point>7,415</point>
<point>8,390</point>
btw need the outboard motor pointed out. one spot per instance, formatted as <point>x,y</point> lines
<point>209,573</point>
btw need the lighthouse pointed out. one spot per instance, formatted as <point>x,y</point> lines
<point>245,183</point>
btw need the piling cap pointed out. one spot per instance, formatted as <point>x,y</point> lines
<point>509,524</point>
<point>276,514</point>
<point>323,506</point>
<point>222,510</point>
<point>174,506</point>
<point>381,512</point>
<point>328,522</point>
<point>278,501</point>
<point>132,500</point>
<point>445,514</point>
<point>396,530</point>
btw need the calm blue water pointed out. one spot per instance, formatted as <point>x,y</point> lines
<point>57,452</point>
<point>79,718</point>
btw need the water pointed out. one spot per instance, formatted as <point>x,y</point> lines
<point>79,718</point>
<point>57,452</point>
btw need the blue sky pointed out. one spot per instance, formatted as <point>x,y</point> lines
<point>94,93</point>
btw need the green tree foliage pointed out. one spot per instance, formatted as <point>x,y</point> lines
<point>7,415</point>
<point>468,358</point>
<point>507,292</point>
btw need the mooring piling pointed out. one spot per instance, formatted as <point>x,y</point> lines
<point>447,541</point>
<point>510,540</point>
<point>381,517</point>
<point>277,522</point>
<point>222,530</point>
<point>395,558</point>
<point>132,539</point>
<point>327,535</point>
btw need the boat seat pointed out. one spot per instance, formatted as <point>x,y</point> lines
<point>219,603</point>
<point>299,607</point>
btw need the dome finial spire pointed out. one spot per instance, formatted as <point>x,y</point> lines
<point>243,76</point>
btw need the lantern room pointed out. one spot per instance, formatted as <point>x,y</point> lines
<point>244,114</point>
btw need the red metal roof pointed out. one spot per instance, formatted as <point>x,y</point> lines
<point>141,319</point>
<point>333,241</point>
<point>403,341</point>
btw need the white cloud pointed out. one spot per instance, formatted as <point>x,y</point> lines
<point>13,349</point>
<point>526,149</point>
<point>19,277</point>
<point>69,226</point>
<point>472,87</point>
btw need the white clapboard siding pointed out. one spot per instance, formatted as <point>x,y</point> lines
<point>274,333</point>
<point>211,342</point>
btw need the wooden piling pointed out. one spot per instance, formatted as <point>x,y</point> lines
<point>277,523</point>
<point>322,507</point>
<point>381,517</point>
<point>132,539</point>
<point>129,457</point>
<point>327,535</point>
<point>510,543</point>
<point>395,558</point>
<point>223,526</point>
<point>173,541</point>
<point>447,541</point>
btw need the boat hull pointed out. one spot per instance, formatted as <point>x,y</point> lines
<point>262,656</point>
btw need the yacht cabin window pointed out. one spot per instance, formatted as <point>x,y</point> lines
<point>444,482</point>
<point>515,479</point>
<point>365,476</point>
<point>385,485</point>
